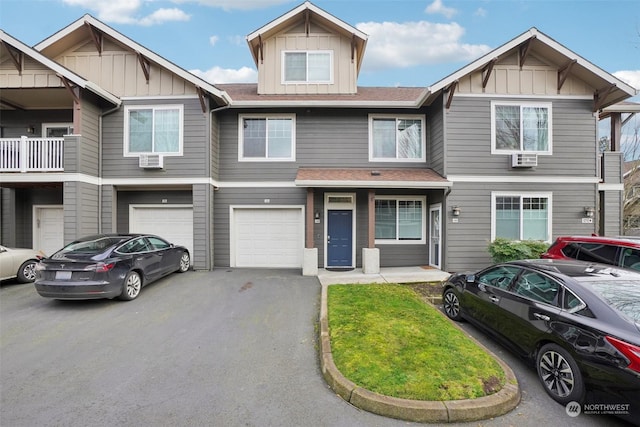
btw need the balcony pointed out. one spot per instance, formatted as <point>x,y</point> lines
<point>31,154</point>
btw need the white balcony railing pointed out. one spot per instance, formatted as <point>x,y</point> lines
<point>31,154</point>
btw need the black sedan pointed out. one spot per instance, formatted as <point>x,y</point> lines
<point>109,266</point>
<point>578,322</point>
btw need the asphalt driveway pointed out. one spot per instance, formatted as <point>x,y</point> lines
<point>221,348</point>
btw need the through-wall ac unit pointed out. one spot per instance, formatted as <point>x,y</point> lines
<point>524,160</point>
<point>150,161</point>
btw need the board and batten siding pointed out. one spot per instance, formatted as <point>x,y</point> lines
<point>196,145</point>
<point>468,145</point>
<point>468,239</point>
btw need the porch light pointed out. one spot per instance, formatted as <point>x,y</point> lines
<point>589,211</point>
<point>455,211</point>
<point>30,130</point>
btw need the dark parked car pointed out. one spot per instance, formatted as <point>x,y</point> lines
<point>578,322</point>
<point>618,251</point>
<point>109,266</point>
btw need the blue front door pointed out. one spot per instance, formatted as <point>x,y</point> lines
<point>339,238</point>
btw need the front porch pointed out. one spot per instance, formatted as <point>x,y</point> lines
<point>25,154</point>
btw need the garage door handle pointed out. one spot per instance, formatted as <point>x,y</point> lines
<point>542,317</point>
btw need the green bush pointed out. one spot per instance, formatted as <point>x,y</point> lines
<point>502,250</point>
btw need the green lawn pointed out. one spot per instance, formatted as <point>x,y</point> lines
<point>387,340</point>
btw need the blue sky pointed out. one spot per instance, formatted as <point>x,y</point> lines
<point>411,42</point>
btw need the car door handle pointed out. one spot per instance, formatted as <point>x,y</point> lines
<point>542,317</point>
<point>495,299</point>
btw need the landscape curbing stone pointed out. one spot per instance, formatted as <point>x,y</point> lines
<point>486,407</point>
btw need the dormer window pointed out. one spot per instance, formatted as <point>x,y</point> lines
<point>307,67</point>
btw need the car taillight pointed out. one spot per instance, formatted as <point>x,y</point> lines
<point>632,352</point>
<point>101,267</point>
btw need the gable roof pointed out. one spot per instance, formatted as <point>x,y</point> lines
<point>609,89</point>
<point>62,72</point>
<point>308,12</point>
<point>77,31</point>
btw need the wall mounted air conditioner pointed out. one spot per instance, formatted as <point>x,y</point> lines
<point>524,160</point>
<point>150,161</point>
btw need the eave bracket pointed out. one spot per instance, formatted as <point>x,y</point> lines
<point>96,37</point>
<point>564,72</point>
<point>451,89</point>
<point>16,56</point>
<point>145,64</point>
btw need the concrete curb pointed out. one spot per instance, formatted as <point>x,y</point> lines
<point>415,410</point>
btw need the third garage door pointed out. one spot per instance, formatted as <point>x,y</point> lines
<point>272,237</point>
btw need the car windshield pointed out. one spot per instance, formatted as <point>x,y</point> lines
<point>623,295</point>
<point>89,247</point>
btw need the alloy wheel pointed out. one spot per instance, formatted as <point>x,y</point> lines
<point>556,373</point>
<point>185,262</point>
<point>132,285</point>
<point>451,304</point>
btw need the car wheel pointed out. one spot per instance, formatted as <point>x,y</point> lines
<point>451,304</point>
<point>185,262</point>
<point>132,286</point>
<point>559,374</point>
<point>27,271</point>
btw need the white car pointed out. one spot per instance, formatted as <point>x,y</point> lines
<point>19,263</point>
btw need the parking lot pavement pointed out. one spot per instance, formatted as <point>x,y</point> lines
<point>222,348</point>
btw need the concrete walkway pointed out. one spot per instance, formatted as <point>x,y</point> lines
<point>386,275</point>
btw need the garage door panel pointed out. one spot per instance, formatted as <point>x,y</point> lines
<point>174,224</point>
<point>268,237</point>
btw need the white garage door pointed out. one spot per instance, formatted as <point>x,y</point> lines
<point>171,222</point>
<point>271,237</point>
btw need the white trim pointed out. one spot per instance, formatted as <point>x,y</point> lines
<point>267,117</point>
<point>291,103</point>
<point>610,187</point>
<point>233,232</point>
<point>425,208</point>
<point>521,105</point>
<point>46,126</point>
<point>283,67</point>
<point>523,96</point>
<point>49,177</point>
<point>547,195</point>
<point>340,206</point>
<point>163,98</point>
<point>437,207</point>
<point>154,108</point>
<point>396,117</point>
<point>543,179</point>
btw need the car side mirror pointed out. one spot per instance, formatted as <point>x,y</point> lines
<point>470,278</point>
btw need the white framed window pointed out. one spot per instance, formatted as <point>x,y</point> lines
<point>154,129</point>
<point>521,216</point>
<point>397,138</point>
<point>307,66</point>
<point>400,220</point>
<point>518,127</point>
<point>268,137</point>
<point>56,130</point>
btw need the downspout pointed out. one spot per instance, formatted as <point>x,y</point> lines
<point>113,110</point>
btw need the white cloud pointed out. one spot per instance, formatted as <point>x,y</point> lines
<point>630,77</point>
<point>400,45</point>
<point>438,8</point>
<point>227,75</point>
<point>236,4</point>
<point>164,15</point>
<point>213,40</point>
<point>481,12</point>
<point>126,12</point>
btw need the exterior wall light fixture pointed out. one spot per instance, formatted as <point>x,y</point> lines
<point>589,211</point>
<point>455,211</point>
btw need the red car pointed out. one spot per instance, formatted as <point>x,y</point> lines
<point>619,251</point>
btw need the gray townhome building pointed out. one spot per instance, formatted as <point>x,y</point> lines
<point>304,169</point>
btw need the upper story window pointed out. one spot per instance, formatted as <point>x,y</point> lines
<point>307,67</point>
<point>153,129</point>
<point>267,138</point>
<point>396,139</point>
<point>521,216</point>
<point>517,127</point>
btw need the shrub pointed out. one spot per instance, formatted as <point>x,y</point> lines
<point>502,250</point>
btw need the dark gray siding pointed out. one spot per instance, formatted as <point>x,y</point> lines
<point>8,232</point>
<point>469,140</point>
<point>215,146</point>
<point>17,213</point>
<point>436,137</point>
<point>80,210</point>
<point>203,226</point>
<point>15,122</point>
<point>466,241</point>
<point>611,202</point>
<point>324,138</point>
<point>107,209</point>
<point>196,149</point>
<point>126,198</point>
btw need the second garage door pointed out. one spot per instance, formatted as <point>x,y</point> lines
<point>173,223</point>
<point>271,237</point>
